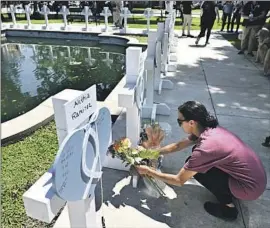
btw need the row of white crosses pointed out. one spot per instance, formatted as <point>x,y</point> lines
<point>125,13</point>
<point>84,134</point>
<point>46,12</point>
<point>143,76</point>
<point>145,67</point>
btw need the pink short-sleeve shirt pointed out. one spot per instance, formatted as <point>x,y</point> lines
<point>218,147</point>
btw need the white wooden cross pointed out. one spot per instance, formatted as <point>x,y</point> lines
<point>64,11</point>
<point>45,11</point>
<point>159,81</point>
<point>28,12</point>
<point>48,195</point>
<point>86,12</point>
<point>148,13</point>
<point>106,13</point>
<point>125,13</point>
<point>169,63</point>
<point>169,7</point>
<point>127,96</point>
<point>169,28</point>
<point>151,109</point>
<point>12,10</point>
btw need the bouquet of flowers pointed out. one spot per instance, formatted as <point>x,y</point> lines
<point>144,154</point>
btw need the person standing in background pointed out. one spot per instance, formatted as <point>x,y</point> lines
<point>237,16</point>
<point>227,13</point>
<point>217,12</point>
<point>187,11</point>
<point>179,8</point>
<point>254,14</point>
<point>208,17</point>
<point>117,6</point>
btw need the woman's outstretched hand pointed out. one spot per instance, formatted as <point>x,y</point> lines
<point>143,169</point>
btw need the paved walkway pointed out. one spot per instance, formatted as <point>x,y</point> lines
<point>233,89</point>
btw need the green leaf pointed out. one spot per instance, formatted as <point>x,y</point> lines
<point>148,153</point>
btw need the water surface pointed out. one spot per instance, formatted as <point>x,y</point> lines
<point>33,70</point>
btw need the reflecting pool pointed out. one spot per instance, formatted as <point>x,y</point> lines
<point>33,70</point>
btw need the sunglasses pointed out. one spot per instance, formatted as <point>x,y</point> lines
<point>180,122</point>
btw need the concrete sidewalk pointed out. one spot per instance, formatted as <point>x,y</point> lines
<point>234,90</point>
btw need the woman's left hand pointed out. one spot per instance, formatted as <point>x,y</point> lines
<point>143,169</point>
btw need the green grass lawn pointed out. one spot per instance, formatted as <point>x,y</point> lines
<point>133,22</point>
<point>22,164</point>
<point>141,39</point>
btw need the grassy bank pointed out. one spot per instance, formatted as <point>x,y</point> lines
<point>22,164</point>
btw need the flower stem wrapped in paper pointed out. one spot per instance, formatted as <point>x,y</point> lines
<point>135,156</point>
<point>152,138</point>
<point>146,153</point>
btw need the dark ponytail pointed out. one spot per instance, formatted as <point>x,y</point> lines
<point>194,110</point>
<point>211,121</point>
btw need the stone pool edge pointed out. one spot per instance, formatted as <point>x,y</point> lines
<point>103,38</point>
<point>23,125</point>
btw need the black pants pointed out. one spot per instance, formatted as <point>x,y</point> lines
<point>224,19</point>
<point>217,182</point>
<point>206,24</point>
<point>236,17</point>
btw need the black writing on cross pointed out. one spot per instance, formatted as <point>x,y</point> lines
<point>75,115</point>
<point>82,99</point>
